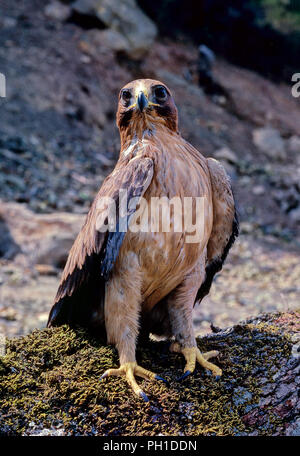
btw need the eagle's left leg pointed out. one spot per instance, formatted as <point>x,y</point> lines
<point>122,310</point>
<point>180,307</point>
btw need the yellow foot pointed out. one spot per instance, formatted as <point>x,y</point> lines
<point>129,370</point>
<point>192,355</point>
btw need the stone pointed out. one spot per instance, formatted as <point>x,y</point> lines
<point>241,396</point>
<point>8,247</point>
<point>43,238</point>
<point>46,269</point>
<point>295,215</point>
<point>226,154</point>
<point>278,110</point>
<point>258,190</point>
<point>293,144</point>
<point>124,17</point>
<point>108,38</point>
<point>8,22</point>
<point>269,141</point>
<point>57,10</point>
<point>293,429</point>
<point>246,227</point>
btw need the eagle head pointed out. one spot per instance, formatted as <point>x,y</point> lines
<point>144,105</point>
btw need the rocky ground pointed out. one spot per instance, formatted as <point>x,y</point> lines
<point>49,385</point>
<point>64,66</point>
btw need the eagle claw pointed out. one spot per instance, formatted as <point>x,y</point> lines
<point>193,355</point>
<point>129,370</point>
<point>157,377</point>
<point>144,396</point>
<point>185,375</point>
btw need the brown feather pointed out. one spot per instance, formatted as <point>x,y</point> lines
<point>118,281</point>
<point>90,251</point>
<point>225,225</point>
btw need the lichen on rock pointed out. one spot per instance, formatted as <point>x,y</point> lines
<point>49,385</point>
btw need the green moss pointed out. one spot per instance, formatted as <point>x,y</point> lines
<point>50,379</point>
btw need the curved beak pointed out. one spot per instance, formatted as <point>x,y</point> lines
<point>142,101</point>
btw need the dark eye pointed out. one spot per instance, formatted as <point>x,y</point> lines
<point>160,93</point>
<point>126,95</point>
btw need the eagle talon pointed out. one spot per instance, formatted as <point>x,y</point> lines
<point>193,355</point>
<point>144,396</point>
<point>157,377</point>
<point>185,375</point>
<point>129,371</point>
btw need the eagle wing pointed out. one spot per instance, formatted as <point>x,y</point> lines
<point>225,224</point>
<point>81,291</point>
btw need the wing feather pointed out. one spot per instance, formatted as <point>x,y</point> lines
<point>93,254</point>
<point>225,224</point>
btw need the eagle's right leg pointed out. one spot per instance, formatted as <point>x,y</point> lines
<point>180,307</point>
<point>122,309</point>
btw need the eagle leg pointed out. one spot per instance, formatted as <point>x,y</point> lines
<point>129,370</point>
<point>180,307</point>
<point>193,355</point>
<point>122,311</point>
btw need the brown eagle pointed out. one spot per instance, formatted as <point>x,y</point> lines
<point>128,283</point>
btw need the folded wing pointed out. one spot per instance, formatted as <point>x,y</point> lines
<point>80,295</point>
<point>225,224</point>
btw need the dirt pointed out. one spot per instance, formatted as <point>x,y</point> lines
<point>58,140</point>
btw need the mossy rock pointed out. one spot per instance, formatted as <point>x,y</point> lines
<point>49,384</point>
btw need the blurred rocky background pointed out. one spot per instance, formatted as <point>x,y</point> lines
<point>229,65</point>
